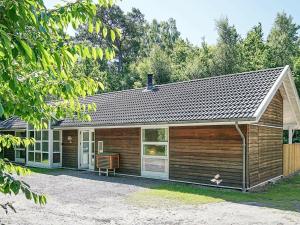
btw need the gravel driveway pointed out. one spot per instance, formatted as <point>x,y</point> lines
<point>84,198</point>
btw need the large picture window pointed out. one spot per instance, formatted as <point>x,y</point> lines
<point>155,144</point>
<point>39,151</point>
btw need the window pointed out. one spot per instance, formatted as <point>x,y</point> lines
<point>155,135</point>
<point>56,146</point>
<point>39,151</point>
<point>155,142</point>
<point>20,149</point>
<point>156,150</point>
<point>100,146</point>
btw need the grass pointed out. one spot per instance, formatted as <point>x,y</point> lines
<point>44,170</point>
<point>283,195</point>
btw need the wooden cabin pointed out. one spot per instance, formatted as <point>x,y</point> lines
<point>231,125</point>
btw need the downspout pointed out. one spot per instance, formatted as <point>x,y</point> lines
<point>244,154</point>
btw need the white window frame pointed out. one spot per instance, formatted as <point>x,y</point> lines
<point>92,143</point>
<point>156,175</point>
<point>90,130</point>
<point>60,148</point>
<point>50,150</point>
<point>18,148</point>
<point>100,143</point>
<point>41,141</point>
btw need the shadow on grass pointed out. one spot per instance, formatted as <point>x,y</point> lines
<point>284,195</point>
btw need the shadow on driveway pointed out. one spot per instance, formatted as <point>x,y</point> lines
<point>285,195</point>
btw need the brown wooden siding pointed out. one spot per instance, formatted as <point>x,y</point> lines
<point>253,155</point>
<point>70,150</point>
<point>126,142</point>
<point>198,153</point>
<point>265,151</point>
<point>273,115</point>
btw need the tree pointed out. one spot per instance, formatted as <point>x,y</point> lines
<point>283,41</point>
<point>163,34</point>
<point>201,64</point>
<point>128,46</point>
<point>227,56</point>
<point>253,50</point>
<point>158,63</point>
<point>37,57</point>
<point>180,55</point>
<point>296,72</point>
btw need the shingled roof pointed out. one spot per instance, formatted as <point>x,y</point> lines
<point>221,98</point>
<point>12,123</point>
<point>234,97</point>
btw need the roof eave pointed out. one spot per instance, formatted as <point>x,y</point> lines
<point>231,121</point>
<point>268,98</point>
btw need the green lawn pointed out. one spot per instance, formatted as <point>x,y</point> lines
<point>44,170</point>
<point>283,195</point>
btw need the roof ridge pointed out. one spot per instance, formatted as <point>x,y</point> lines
<point>188,81</point>
<point>222,75</point>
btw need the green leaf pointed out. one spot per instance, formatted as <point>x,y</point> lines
<point>7,43</point>
<point>94,53</point>
<point>15,187</point>
<point>57,59</point>
<point>86,52</point>
<point>112,35</point>
<point>111,2</point>
<point>100,53</point>
<point>6,188</point>
<point>42,200</point>
<point>104,32</point>
<point>90,26</point>
<point>28,194</point>
<point>119,32</point>
<point>27,49</point>
<point>35,198</point>
<point>101,85</point>
<point>72,57</point>
<point>98,25</point>
<point>1,110</point>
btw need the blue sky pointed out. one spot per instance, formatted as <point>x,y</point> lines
<point>196,18</point>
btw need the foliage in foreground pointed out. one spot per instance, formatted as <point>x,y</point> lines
<point>37,57</point>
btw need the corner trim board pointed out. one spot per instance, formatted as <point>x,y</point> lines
<point>264,104</point>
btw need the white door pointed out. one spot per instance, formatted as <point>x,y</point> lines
<point>87,149</point>
<point>155,152</point>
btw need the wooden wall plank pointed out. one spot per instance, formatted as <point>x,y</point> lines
<point>265,144</point>
<point>274,113</point>
<point>291,159</point>
<point>198,153</point>
<point>70,150</point>
<point>126,142</point>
